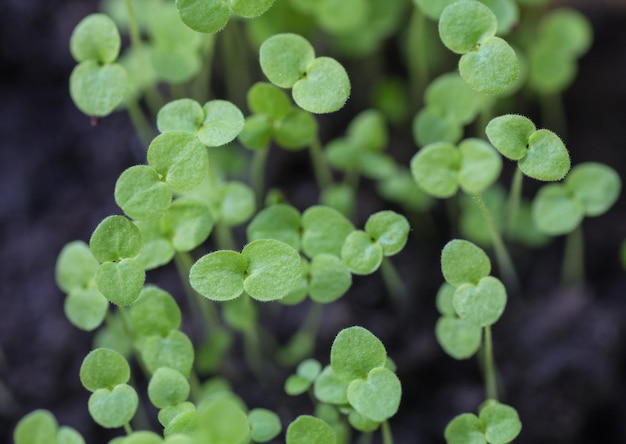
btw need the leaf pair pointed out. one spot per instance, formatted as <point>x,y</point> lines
<point>590,189</point>
<point>211,16</point>
<point>488,63</point>
<point>41,427</point>
<point>97,83</point>
<point>441,168</point>
<point>319,84</point>
<point>540,154</point>
<point>496,424</point>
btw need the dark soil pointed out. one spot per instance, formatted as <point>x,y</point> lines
<point>560,353</point>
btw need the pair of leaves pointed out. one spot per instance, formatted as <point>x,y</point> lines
<point>266,269</point>
<point>488,63</point>
<point>441,168</point>
<point>274,118</point>
<point>540,154</point>
<point>41,427</point>
<point>97,83</point>
<point>590,189</point>
<point>319,84</point>
<point>211,16</point>
<point>496,424</point>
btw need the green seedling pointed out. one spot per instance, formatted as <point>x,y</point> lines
<point>495,424</point>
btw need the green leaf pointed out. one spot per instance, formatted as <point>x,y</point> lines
<point>75,266</point>
<point>167,414</point>
<point>361,254</point>
<point>38,427</point>
<point>140,193</point>
<point>465,25</point>
<point>95,38</point>
<point>450,95</point>
<point>219,276</point>
<point>356,351</point>
<point>482,303</point>
<point>280,222</point>
<point>157,248</point>
<point>154,313</point>
<point>389,229</point>
<point>296,130</point>
<point>284,58</point>
<point>167,387</point>
<point>104,368</point>
<point>174,64</point>
<point>221,420</point>
<point>206,16</point>
<point>264,425</point>
<point>223,121</point>
<point>491,69</point>
<point>368,130</point>
<point>433,8</point>
<point>510,135</point>
<point>330,279</point>
<point>460,338</point>
<point>86,308</point>
<point>237,203</point>
<point>555,211</point>
<point>256,133</point>
<point>501,422</point>
<point>325,87</point>
<point>431,125</point>
<point>143,437</point>
<point>296,385</point>
<point>568,30</point>
<point>98,89</point>
<point>307,429</point>
<point>324,231</point>
<point>480,165</point>
<point>377,397</point>
<point>341,17</point>
<point>465,429</point>
<point>361,423</point>
<point>329,388</point>
<point>115,238</point>
<point>121,282</point>
<point>188,223</point>
<point>174,350</point>
<point>547,158</point>
<point>444,297</point>
<point>250,8</point>
<point>551,69</point>
<point>463,262</point>
<point>596,185</point>
<point>506,12</point>
<point>240,314</point>
<point>184,424</point>
<point>273,270</point>
<point>265,98</point>
<point>113,408</point>
<point>435,168</point>
<point>68,435</point>
<point>179,158</point>
<point>180,115</point>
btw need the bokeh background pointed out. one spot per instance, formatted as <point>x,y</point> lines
<point>562,354</point>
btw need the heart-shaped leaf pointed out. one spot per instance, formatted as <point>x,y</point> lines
<point>493,68</point>
<point>330,279</point>
<point>180,115</point>
<point>432,125</point>
<point>219,276</point>
<point>460,338</point>
<point>86,308</point>
<point>75,266</point>
<point>325,87</point>
<point>465,429</point>
<point>207,16</point>
<point>501,423</point>
<point>284,58</point>
<point>98,89</point>
<point>38,427</point>
<point>462,261</point>
<point>115,238</point>
<point>389,229</point>
<point>510,135</point>
<point>104,368</point>
<point>435,168</point>
<point>556,211</point>
<point>121,282</point>
<point>167,387</point>
<point>264,425</point>
<point>596,185</point>
<point>307,429</point>
<point>174,350</point>
<point>356,351</point>
<point>480,165</point>
<point>188,223</point>
<point>113,408</point>
<point>483,303</point>
<point>547,158</point>
<point>280,222</point>
<point>324,231</point>
<point>155,312</point>
<point>223,121</point>
<point>265,98</point>
<point>377,397</point>
<point>140,193</point>
<point>361,254</point>
<point>464,25</point>
<point>329,388</point>
<point>95,38</point>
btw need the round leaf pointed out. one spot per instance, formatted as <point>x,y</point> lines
<point>325,87</point>
<point>449,94</point>
<point>510,135</point>
<point>237,203</point>
<point>86,308</point>
<point>121,282</point>
<point>356,351</point>
<point>188,223</point>
<point>435,168</point>
<point>274,269</point>
<point>113,408</point>
<point>180,158</point>
<point>75,266</point>
<point>463,262</point>
<point>360,254</point>
<point>69,435</point>
<point>445,294</point>
<point>154,313</point>
<point>167,387</point>
<point>502,423</point>
<point>328,388</point>
<point>547,158</point>
<point>98,89</point>
<point>264,425</point>
<point>256,133</point>
<point>491,69</point>
<point>250,8</point>
<point>377,397</point>
<point>280,222</point>
<point>180,115</point>
<point>219,276</point>
<point>174,350</point>
<point>265,98</point>
<point>459,338</point>
<point>324,231</point>
<point>330,279</point>
<point>555,211</point>
<point>464,25</point>
<point>284,58</point>
<point>480,165</point>
<point>140,193</point>
<point>465,429</point>
<point>389,229</point>
<point>207,16</point>
<point>310,430</point>
<point>481,303</point>
<point>157,249</point>
<point>596,185</point>
<point>223,121</point>
<point>38,427</point>
<point>222,421</point>
<point>95,38</point>
<point>296,130</point>
<point>104,368</point>
<point>432,125</point>
<point>115,238</point>
<point>568,30</point>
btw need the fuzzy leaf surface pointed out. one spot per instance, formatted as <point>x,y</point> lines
<point>284,58</point>
<point>356,351</point>
<point>482,303</point>
<point>377,397</point>
<point>324,89</point>
<point>113,408</point>
<point>219,275</point>
<point>462,262</point>
<point>141,194</point>
<point>98,89</point>
<point>104,368</point>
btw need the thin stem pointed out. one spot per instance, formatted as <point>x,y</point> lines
<point>320,167</point>
<point>515,196</point>
<point>393,281</point>
<point>573,271</point>
<point>491,387</point>
<point>553,113</point>
<point>296,349</point>
<point>386,432</point>
<point>251,345</point>
<point>417,62</point>
<point>140,122</point>
<point>202,82</point>
<point>486,113</point>
<point>128,429</point>
<point>125,324</point>
<point>502,255</point>
<point>257,175</point>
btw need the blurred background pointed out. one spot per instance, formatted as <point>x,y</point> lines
<point>564,359</point>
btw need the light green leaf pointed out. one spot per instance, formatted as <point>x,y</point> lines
<point>86,308</point>
<point>75,266</point>
<point>465,25</point>
<point>307,429</point>
<point>188,223</point>
<point>250,8</point>
<point>324,231</point>
<point>180,115</point>
<point>174,350</point>
<point>219,276</point>
<point>501,422</point>
<point>432,125</point>
<point>223,121</point>
<point>113,408</point>
<point>325,87</point>
<point>482,303</point>
<point>140,193</point>
<point>465,429</point>
<point>264,425</point>
<point>330,279</point>
<point>460,338</point>
<point>463,262</point>
<point>115,238</point>
<point>361,254</point>
<point>95,38</point>
<point>377,397</point>
<point>265,98</point>
<point>356,351</point>
<point>555,211</point>
<point>167,387</point>
<point>104,368</point>
<point>121,282</point>
<point>435,168</point>
<point>98,89</point>
<point>480,165</point>
<point>280,222</point>
<point>510,135</point>
<point>237,203</point>
<point>38,427</point>
<point>596,185</point>
<point>329,388</point>
<point>206,16</point>
<point>284,58</point>
<point>155,312</point>
<point>491,69</point>
<point>547,158</point>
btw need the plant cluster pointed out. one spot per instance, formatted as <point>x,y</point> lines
<point>187,197</point>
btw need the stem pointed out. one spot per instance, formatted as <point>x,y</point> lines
<point>502,255</point>
<point>201,83</point>
<point>257,175</point>
<point>128,429</point>
<point>322,173</point>
<point>553,113</point>
<point>386,431</point>
<point>573,271</point>
<point>309,330</point>
<point>491,387</point>
<point>417,63</point>
<point>140,122</point>
<point>251,345</point>
<point>514,199</point>
<point>486,113</point>
<point>393,282</point>
<point>125,324</point>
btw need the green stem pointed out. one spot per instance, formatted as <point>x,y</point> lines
<point>486,113</point>
<point>393,281</point>
<point>323,175</point>
<point>128,429</point>
<point>257,175</point>
<point>553,113</point>
<point>417,62</point>
<point>386,432</point>
<point>201,84</point>
<point>573,271</point>
<point>502,255</point>
<point>251,345</point>
<point>140,122</point>
<point>291,354</point>
<point>515,196</point>
<point>125,324</point>
<point>491,387</point>
<point>234,54</point>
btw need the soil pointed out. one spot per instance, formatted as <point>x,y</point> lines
<point>560,352</point>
